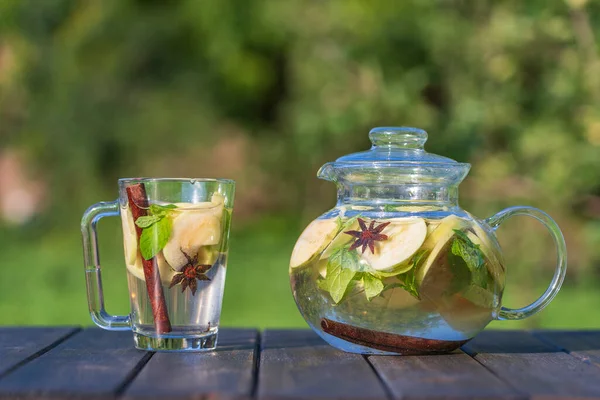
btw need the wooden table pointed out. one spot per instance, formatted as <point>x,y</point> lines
<point>91,363</point>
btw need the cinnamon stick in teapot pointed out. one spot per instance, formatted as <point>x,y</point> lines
<point>406,345</point>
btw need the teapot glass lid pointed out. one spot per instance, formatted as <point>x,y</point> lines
<point>397,156</point>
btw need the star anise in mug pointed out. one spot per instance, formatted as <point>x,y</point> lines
<point>190,274</point>
<point>367,236</point>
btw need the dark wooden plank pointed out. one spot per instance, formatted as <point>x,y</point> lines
<point>18,345</point>
<point>584,345</point>
<point>535,368</point>
<point>228,371</point>
<point>92,362</point>
<point>450,376</point>
<point>298,364</point>
<point>517,342</point>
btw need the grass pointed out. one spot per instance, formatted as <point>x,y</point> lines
<point>42,282</point>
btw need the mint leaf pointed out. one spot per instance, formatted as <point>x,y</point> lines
<point>373,286</point>
<point>155,237</point>
<point>338,279</point>
<point>344,225</point>
<point>340,224</point>
<point>419,257</point>
<point>462,274</point>
<point>408,278</point>
<point>161,210</point>
<point>147,221</point>
<point>393,285</point>
<point>323,284</point>
<point>346,258</point>
<point>341,269</point>
<point>383,275</point>
<point>408,283</point>
<point>351,221</point>
<point>464,248</point>
<point>480,278</point>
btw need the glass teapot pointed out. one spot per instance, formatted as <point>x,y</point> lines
<point>397,267</point>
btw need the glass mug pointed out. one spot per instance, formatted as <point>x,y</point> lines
<point>175,237</point>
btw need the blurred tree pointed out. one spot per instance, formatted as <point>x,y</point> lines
<point>94,90</point>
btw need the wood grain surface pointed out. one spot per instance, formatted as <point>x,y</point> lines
<point>71,363</point>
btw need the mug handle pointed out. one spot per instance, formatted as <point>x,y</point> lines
<point>91,258</point>
<point>561,259</point>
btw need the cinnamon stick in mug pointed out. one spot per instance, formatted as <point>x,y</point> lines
<point>138,203</point>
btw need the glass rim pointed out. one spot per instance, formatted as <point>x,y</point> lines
<point>183,180</point>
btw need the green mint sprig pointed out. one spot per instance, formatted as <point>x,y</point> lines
<point>408,284</point>
<point>408,280</point>
<point>156,229</point>
<point>463,247</point>
<point>373,285</point>
<point>343,225</point>
<point>342,267</point>
<point>471,254</point>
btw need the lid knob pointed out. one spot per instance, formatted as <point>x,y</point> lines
<point>398,136</point>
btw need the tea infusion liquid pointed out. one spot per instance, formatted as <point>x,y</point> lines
<point>372,282</point>
<point>186,243</point>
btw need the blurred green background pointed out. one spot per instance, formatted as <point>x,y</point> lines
<point>265,92</point>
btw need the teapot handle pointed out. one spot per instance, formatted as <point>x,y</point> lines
<point>561,260</point>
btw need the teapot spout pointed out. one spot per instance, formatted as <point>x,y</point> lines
<point>327,172</point>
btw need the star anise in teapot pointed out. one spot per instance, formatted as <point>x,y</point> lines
<point>367,236</point>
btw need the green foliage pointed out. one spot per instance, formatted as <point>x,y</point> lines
<point>156,229</point>
<point>147,221</point>
<point>342,266</point>
<point>470,252</point>
<point>161,210</point>
<point>154,238</point>
<point>373,285</point>
<point>344,225</point>
<point>409,279</point>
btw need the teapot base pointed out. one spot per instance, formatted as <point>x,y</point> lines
<point>384,343</point>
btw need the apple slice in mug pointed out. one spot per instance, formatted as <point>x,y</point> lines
<point>192,230</point>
